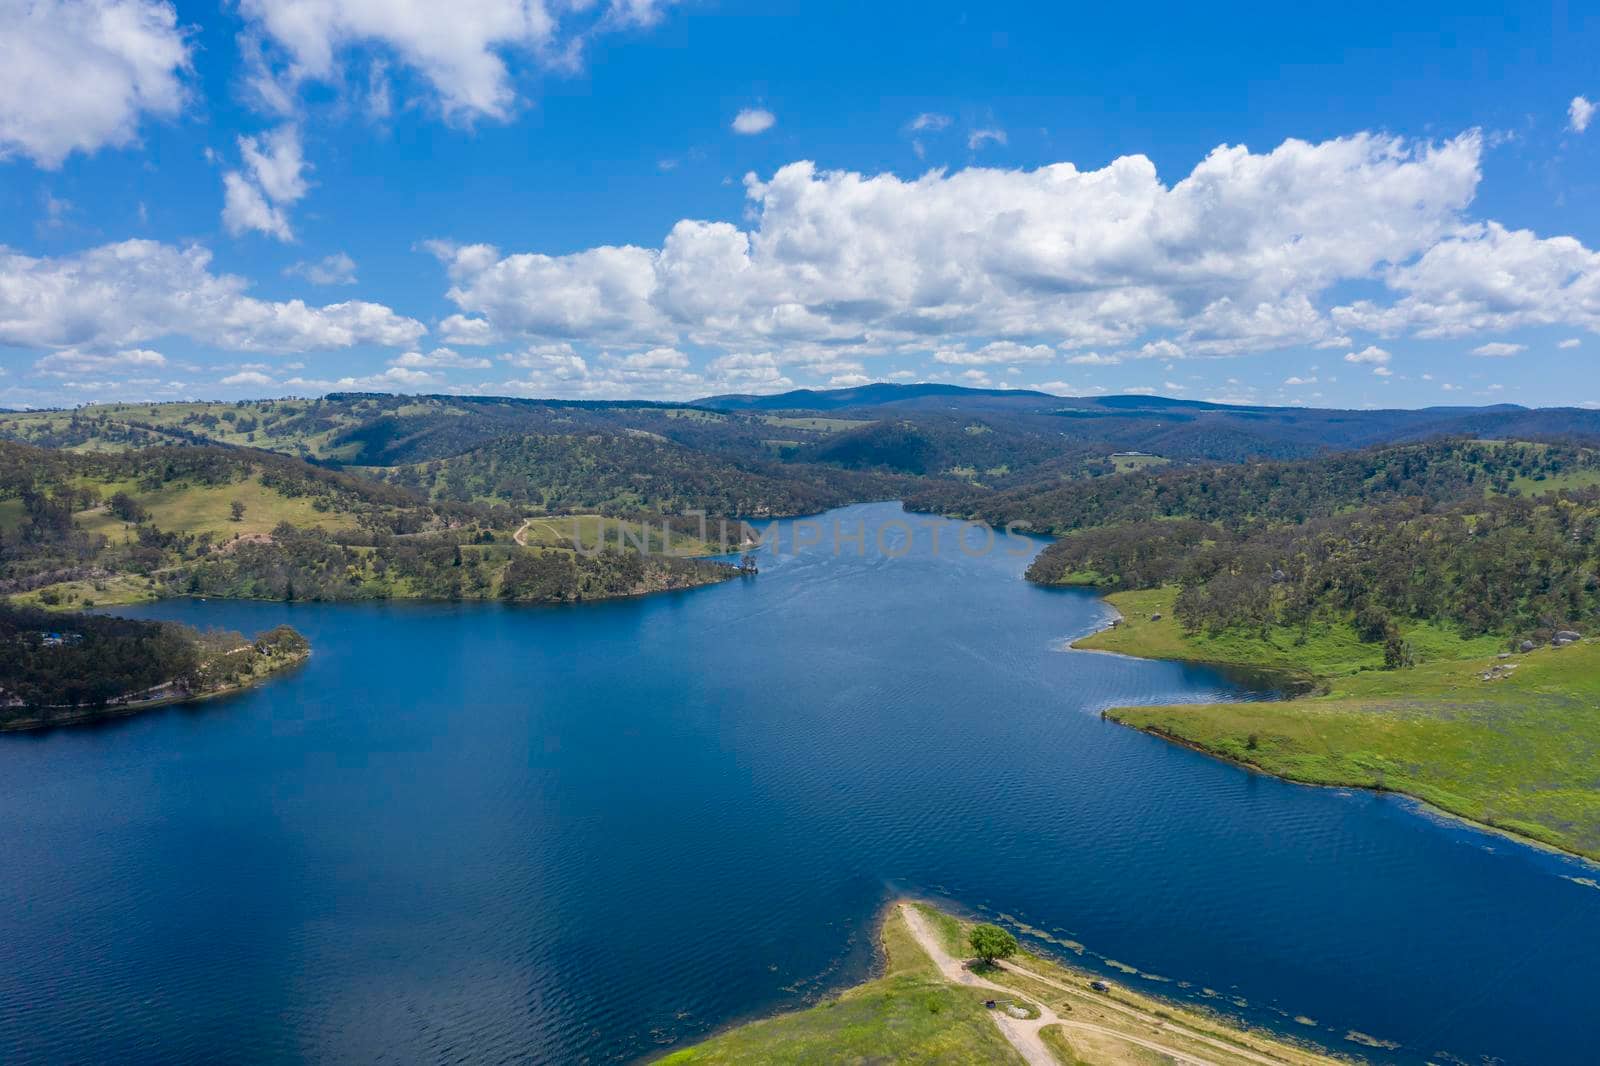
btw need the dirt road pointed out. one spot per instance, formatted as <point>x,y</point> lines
<point>1023,1033</point>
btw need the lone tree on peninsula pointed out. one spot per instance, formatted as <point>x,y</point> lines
<point>990,942</point>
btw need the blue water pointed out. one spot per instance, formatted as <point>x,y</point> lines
<point>584,834</point>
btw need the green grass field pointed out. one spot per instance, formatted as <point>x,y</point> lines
<point>181,418</point>
<point>694,414</point>
<point>207,509</point>
<point>1570,479</point>
<point>1327,650</point>
<point>1519,753</point>
<point>818,425</point>
<point>1125,462</point>
<point>184,507</point>
<point>79,595</point>
<point>909,1015</point>
<point>590,530</point>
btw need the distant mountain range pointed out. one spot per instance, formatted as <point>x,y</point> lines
<point>878,395</point>
<point>996,438</point>
<point>934,396</point>
<point>1178,429</point>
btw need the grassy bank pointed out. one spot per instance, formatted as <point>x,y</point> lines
<point>1149,629</point>
<point>917,1012</point>
<point>910,1014</point>
<point>1519,753</point>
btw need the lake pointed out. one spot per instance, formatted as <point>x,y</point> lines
<point>583,834</point>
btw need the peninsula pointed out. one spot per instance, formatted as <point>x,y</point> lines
<point>935,1002</point>
<point>63,669</point>
<point>1509,740</point>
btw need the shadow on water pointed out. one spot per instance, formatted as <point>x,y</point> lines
<point>1261,683</point>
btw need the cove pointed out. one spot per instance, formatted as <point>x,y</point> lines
<point>589,834</point>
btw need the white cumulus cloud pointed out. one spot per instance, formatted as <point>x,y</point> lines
<point>460,49</point>
<point>996,352</point>
<point>744,372</point>
<point>335,269</point>
<point>1499,349</point>
<point>394,379</point>
<point>258,196</point>
<point>1232,258</point>
<point>655,359</point>
<point>440,359</point>
<point>1486,279</point>
<point>978,138</point>
<point>71,362</point>
<point>1579,112</point>
<point>78,75</point>
<point>1371,354</point>
<point>753,120</point>
<point>119,295</point>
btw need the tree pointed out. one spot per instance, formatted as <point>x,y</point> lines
<point>1397,654</point>
<point>990,942</point>
<point>127,508</point>
<point>1372,624</point>
<point>237,508</point>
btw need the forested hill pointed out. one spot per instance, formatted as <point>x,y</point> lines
<point>1277,492</point>
<point>1483,537</point>
<point>93,528</point>
<point>360,429</point>
<point>635,473</point>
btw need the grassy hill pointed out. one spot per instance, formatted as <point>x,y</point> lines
<point>361,429</point>
<point>633,474</point>
<point>84,529</point>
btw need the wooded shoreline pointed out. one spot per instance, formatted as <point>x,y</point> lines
<point>70,716</point>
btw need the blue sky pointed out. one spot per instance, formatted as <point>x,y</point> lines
<point>1386,206</point>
